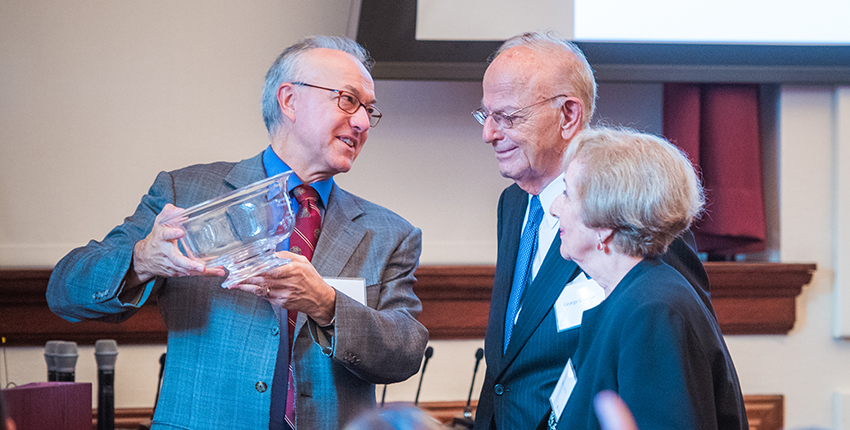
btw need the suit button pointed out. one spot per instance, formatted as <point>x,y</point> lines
<point>499,389</point>
<point>275,331</point>
<point>261,386</point>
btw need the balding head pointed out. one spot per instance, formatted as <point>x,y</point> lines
<point>558,62</point>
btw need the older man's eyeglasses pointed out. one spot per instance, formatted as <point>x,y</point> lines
<point>349,103</point>
<point>506,120</point>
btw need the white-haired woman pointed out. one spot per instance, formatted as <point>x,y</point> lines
<point>651,340</point>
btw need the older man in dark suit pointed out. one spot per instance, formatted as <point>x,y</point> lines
<point>539,91</point>
<point>229,353</point>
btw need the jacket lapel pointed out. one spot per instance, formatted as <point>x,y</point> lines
<point>540,296</point>
<point>340,234</point>
<point>511,213</point>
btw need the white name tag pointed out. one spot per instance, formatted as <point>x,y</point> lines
<point>351,287</point>
<point>578,296</point>
<point>563,389</point>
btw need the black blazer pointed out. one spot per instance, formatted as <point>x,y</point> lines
<point>518,383</point>
<point>654,343</point>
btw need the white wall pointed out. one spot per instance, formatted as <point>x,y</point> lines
<point>808,365</point>
<point>98,96</point>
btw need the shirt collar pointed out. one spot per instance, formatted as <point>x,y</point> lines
<point>274,165</point>
<point>548,196</point>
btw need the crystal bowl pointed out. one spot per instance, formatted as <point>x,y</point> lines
<point>239,230</point>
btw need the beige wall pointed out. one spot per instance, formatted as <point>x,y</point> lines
<point>98,96</point>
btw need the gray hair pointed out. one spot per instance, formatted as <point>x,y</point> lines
<point>577,72</point>
<point>288,68</point>
<point>638,185</point>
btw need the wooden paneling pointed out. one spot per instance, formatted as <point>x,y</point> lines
<point>26,320</point>
<point>749,298</point>
<point>763,413</point>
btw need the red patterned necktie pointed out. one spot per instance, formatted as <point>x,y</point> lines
<point>308,224</point>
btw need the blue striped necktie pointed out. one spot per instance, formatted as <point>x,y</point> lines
<point>522,272</point>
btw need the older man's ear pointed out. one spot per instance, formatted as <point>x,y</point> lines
<point>572,116</point>
<point>286,100</point>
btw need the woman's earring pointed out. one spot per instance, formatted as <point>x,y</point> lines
<point>600,246</point>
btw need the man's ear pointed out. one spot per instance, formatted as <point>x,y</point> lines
<point>286,100</point>
<point>572,114</point>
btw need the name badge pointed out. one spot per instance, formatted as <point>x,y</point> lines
<point>577,297</point>
<point>351,287</point>
<point>563,389</point>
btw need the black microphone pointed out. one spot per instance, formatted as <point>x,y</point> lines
<point>50,358</point>
<point>65,357</point>
<point>105,353</point>
<point>428,353</point>
<point>466,422</point>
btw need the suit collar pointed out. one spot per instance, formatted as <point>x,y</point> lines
<point>246,172</point>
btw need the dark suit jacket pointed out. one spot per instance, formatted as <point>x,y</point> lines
<point>222,344</point>
<point>655,343</point>
<point>518,383</point>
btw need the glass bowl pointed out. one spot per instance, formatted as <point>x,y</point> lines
<point>239,230</point>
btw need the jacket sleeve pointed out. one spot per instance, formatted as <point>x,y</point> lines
<point>384,343</point>
<point>665,355</point>
<point>86,283</point>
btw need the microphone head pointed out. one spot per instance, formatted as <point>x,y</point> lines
<point>429,352</point>
<point>50,354</point>
<point>66,357</point>
<point>479,354</point>
<point>105,353</point>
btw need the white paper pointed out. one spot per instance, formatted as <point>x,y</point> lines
<point>577,297</point>
<point>563,389</point>
<point>351,287</point>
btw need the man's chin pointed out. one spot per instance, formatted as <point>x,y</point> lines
<point>509,174</point>
<point>343,167</point>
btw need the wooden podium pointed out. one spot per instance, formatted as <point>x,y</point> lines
<point>50,405</point>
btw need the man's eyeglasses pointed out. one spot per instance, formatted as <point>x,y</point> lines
<point>506,120</point>
<point>349,103</point>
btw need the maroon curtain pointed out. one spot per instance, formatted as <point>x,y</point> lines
<point>717,126</point>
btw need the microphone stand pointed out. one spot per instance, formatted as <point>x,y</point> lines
<point>383,396</point>
<point>159,380</point>
<point>466,421</point>
<point>428,353</point>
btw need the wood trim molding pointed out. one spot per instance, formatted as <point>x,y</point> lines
<point>25,318</point>
<point>749,298</point>
<point>766,412</point>
<point>763,413</point>
<point>128,418</point>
